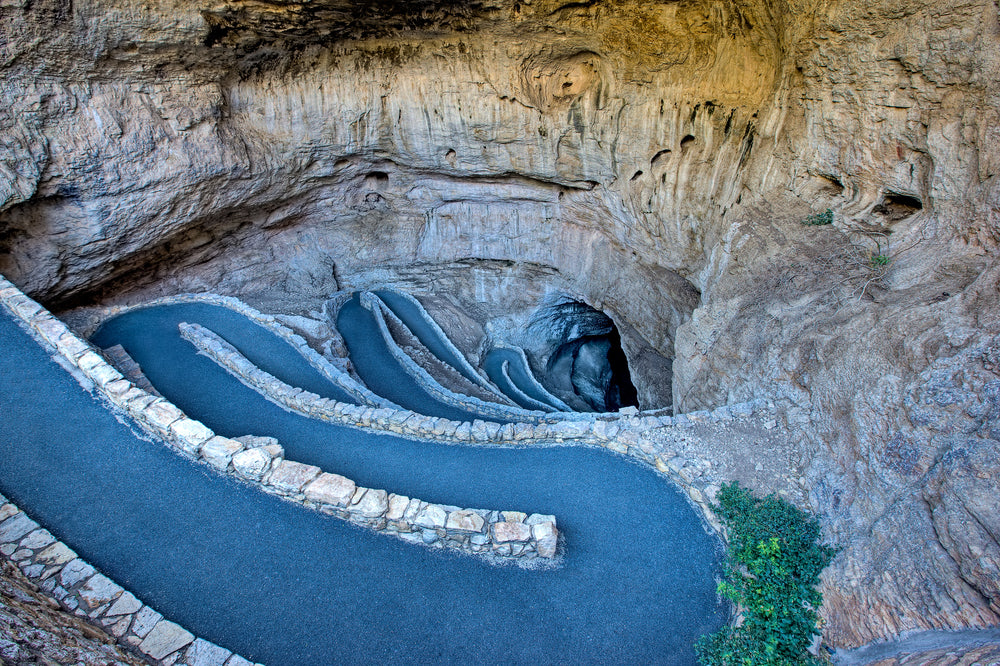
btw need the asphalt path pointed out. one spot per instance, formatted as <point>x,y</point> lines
<point>283,585</point>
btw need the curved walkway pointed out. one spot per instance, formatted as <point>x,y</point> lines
<point>284,585</point>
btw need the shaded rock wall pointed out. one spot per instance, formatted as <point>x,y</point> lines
<point>653,160</point>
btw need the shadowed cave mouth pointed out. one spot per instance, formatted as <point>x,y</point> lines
<point>584,363</point>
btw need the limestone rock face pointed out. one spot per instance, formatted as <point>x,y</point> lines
<point>654,160</point>
<point>36,632</point>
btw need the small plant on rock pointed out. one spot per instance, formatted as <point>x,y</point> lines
<point>774,560</point>
<point>819,219</point>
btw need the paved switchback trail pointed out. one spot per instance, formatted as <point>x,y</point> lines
<point>284,585</point>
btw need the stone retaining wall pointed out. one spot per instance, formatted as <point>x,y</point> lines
<point>664,443</point>
<point>619,432</point>
<point>83,591</point>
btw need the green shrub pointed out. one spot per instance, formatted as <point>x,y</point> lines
<point>773,564</point>
<point>878,260</point>
<point>819,219</point>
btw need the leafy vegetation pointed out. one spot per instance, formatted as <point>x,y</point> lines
<point>819,219</point>
<point>774,560</point>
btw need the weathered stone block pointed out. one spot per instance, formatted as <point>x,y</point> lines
<point>191,434</point>
<point>164,639</point>
<point>55,555</point>
<point>160,414</point>
<point>32,571</point>
<point>203,653</point>
<point>546,538</point>
<point>219,451</point>
<point>504,532</point>
<point>98,591</point>
<point>24,307</point>
<point>290,476</point>
<point>617,446</point>
<point>90,360</point>
<point>413,510</point>
<point>145,620</point>
<point>539,518</point>
<point>71,346</point>
<point>397,507</point>
<point>465,520</point>
<point>432,515</point>
<point>373,503</point>
<point>74,572</point>
<point>16,527</point>
<point>117,389</point>
<point>103,374</point>
<point>252,464</point>
<point>479,432</point>
<point>330,489</point>
<point>51,329</point>
<point>126,605</point>
<point>117,626</point>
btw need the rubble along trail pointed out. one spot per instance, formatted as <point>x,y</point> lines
<point>280,584</point>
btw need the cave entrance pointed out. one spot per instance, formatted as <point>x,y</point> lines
<point>585,364</point>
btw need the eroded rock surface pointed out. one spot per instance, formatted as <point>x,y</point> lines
<point>654,160</point>
<point>34,630</point>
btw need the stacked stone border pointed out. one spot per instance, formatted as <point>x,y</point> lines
<point>648,436</point>
<point>581,427</point>
<point>651,437</point>
<point>83,591</point>
<point>620,432</point>
<point>649,440</point>
<point>489,410</point>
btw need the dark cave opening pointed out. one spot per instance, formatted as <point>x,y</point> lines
<point>586,365</point>
<point>621,391</point>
